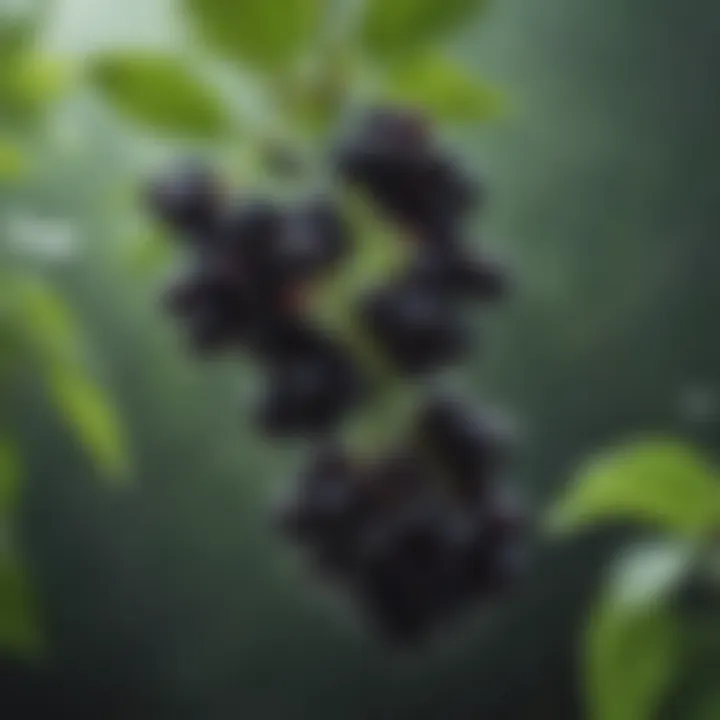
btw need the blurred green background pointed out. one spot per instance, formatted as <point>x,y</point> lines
<point>170,596</point>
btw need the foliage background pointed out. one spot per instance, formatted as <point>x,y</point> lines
<point>171,597</point>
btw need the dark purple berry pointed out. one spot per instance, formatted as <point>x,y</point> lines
<point>210,330</point>
<point>397,479</point>
<point>188,201</point>
<point>315,237</point>
<point>467,449</point>
<point>181,297</point>
<point>298,514</point>
<point>494,555</point>
<point>406,568</point>
<point>418,330</point>
<point>310,394</point>
<point>394,611</point>
<point>328,511</point>
<point>392,158</point>
<point>250,231</point>
<point>479,279</point>
<point>213,305</point>
<point>283,338</point>
<point>455,274</point>
<point>395,132</point>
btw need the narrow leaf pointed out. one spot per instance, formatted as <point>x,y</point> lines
<point>633,638</point>
<point>395,27</point>
<point>29,83</point>
<point>89,413</point>
<point>19,22</point>
<point>263,33</point>
<point>161,93</point>
<point>47,322</point>
<point>443,90</point>
<point>631,662</point>
<point>55,342</point>
<point>658,482</point>
<point>13,161</point>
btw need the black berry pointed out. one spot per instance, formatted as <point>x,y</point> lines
<point>188,201</point>
<point>417,328</point>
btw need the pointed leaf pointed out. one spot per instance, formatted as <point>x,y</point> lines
<point>53,340</point>
<point>29,83</point>
<point>442,90</point>
<point>161,93</point>
<point>14,37</point>
<point>89,413</point>
<point>658,482</point>
<point>48,323</point>
<point>395,27</point>
<point>633,638</point>
<point>19,22</point>
<point>263,33</point>
<point>13,161</point>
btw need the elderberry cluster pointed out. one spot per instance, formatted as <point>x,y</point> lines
<point>419,535</point>
<point>417,318</point>
<point>251,261</point>
<point>422,530</point>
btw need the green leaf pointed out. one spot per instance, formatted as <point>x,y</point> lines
<point>313,94</point>
<point>19,623</point>
<point>395,27</point>
<point>658,482</point>
<point>47,322</point>
<point>264,33</point>
<point>53,340</point>
<point>14,37</point>
<point>89,413</point>
<point>633,639</point>
<point>443,90</point>
<point>13,161</point>
<point>9,476</point>
<point>161,93</point>
<point>30,83</point>
<point>18,27</point>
